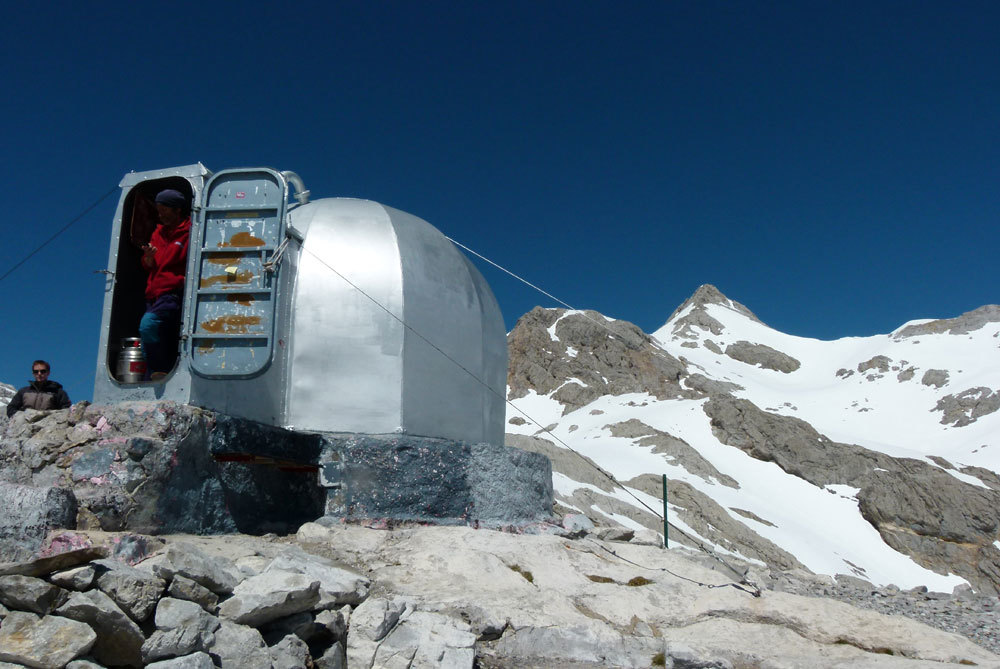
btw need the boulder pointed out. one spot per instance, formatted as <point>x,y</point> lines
<point>30,594</point>
<point>760,355</point>
<point>63,559</point>
<point>371,622</point>
<point>935,377</point>
<point>192,563</point>
<point>269,596</point>
<point>574,645</point>
<point>199,660</point>
<point>107,454</point>
<point>134,590</point>
<point>182,587</point>
<point>119,639</point>
<point>613,533</point>
<point>76,578</point>
<point>290,653</point>
<point>577,524</point>
<point>179,614</point>
<point>43,642</point>
<point>337,584</point>
<point>29,514</point>
<point>163,644</point>
<point>239,647</point>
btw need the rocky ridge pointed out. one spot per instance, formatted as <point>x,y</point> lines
<point>967,322</point>
<point>580,356</point>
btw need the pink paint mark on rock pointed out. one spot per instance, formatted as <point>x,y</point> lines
<point>65,542</point>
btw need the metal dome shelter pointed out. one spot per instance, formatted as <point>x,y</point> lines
<point>337,315</point>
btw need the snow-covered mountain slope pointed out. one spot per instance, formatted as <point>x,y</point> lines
<point>6,393</point>
<point>872,456</point>
<point>900,393</point>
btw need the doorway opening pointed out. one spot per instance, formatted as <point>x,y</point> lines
<point>139,220</point>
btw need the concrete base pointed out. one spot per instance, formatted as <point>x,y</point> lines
<point>433,480</point>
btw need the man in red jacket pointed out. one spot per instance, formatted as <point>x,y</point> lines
<point>165,258</point>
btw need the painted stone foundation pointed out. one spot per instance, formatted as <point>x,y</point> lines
<point>433,480</point>
<point>162,467</point>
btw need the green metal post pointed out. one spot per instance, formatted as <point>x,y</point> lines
<point>665,511</point>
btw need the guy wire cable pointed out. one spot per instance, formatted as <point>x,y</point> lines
<point>522,412</point>
<point>549,295</point>
<point>742,585</point>
<point>61,230</point>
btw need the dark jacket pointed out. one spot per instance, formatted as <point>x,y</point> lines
<point>39,395</point>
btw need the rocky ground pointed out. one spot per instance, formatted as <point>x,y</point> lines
<point>962,612</point>
<point>337,595</point>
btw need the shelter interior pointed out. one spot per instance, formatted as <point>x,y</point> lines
<point>139,219</point>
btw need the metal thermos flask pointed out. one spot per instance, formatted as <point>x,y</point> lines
<point>131,361</point>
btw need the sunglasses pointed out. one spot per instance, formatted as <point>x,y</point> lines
<point>39,371</point>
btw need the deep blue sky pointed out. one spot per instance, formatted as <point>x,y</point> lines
<point>834,166</point>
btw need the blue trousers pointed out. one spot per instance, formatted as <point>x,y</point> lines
<point>159,330</point>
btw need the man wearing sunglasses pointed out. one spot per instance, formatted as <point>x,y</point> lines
<point>41,394</point>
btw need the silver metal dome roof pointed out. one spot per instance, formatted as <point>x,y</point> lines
<point>392,329</point>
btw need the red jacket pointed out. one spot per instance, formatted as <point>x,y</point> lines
<point>169,261</point>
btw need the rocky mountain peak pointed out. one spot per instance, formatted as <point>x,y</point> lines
<point>709,294</point>
<point>692,313</point>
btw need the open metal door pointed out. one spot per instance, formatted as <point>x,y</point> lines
<point>242,223</point>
